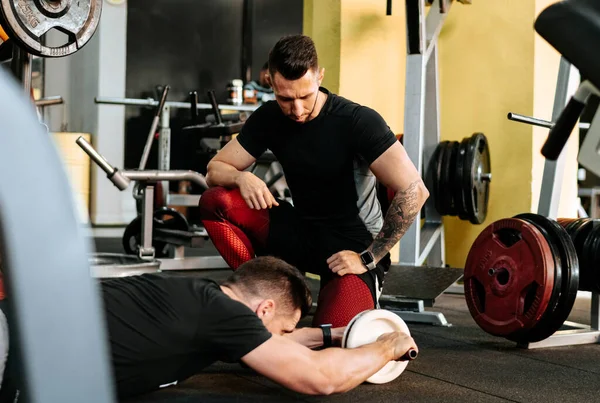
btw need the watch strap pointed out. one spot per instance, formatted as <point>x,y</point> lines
<point>327,342</point>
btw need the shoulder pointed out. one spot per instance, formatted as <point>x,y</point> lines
<point>357,113</point>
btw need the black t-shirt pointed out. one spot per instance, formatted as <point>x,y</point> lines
<point>164,329</point>
<point>318,157</point>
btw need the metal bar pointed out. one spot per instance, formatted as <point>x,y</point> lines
<point>175,199</point>
<point>158,176</point>
<point>427,317</point>
<point>146,250</point>
<point>433,26</point>
<point>164,147</point>
<point>194,263</point>
<point>149,102</point>
<point>153,127</point>
<point>388,7</point>
<point>566,338</point>
<point>414,120</point>
<point>21,67</point>
<point>430,237</point>
<point>48,101</point>
<point>539,122</point>
<point>95,156</point>
<point>553,170</point>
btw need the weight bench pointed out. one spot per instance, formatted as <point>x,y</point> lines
<point>572,27</point>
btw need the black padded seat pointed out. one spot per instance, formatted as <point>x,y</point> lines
<point>573,28</point>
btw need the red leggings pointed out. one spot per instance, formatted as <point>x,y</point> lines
<point>239,233</point>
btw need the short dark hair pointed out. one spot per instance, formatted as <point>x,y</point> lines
<point>292,56</point>
<point>270,277</point>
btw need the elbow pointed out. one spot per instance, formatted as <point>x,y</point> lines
<point>424,192</point>
<point>210,175</point>
<point>323,387</point>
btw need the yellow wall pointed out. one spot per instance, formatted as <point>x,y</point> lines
<point>322,23</point>
<point>486,71</point>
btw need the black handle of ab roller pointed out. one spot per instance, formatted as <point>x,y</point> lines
<point>410,355</point>
<point>559,134</point>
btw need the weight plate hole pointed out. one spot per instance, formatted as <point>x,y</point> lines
<point>55,38</point>
<point>479,293</point>
<point>530,297</point>
<point>502,275</point>
<point>508,236</point>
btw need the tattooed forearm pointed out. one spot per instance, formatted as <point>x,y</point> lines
<point>402,212</point>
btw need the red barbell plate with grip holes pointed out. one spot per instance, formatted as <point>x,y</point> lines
<point>509,277</point>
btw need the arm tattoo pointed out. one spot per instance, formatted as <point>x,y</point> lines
<point>400,215</point>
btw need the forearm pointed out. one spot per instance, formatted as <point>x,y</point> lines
<point>222,174</point>
<point>403,209</point>
<point>307,336</point>
<point>347,368</point>
<point>312,337</point>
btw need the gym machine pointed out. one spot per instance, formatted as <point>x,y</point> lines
<point>156,229</point>
<point>162,122</point>
<point>410,287</point>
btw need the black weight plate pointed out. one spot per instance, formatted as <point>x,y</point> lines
<point>448,180</point>
<point>566,260</point>
<point>458,182</point>
<point>595,261</point>
<point>431,179</point>
<point>132,236</point>
<point>579,231</point>
<point>167,217</point>
<point>446,199</point>
<point>591,256</point>
<point>437,177</point>
<point>477,176</point>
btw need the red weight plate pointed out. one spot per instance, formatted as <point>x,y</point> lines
<point>509,277</point>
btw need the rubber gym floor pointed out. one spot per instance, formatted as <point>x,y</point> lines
<point>460,363</point>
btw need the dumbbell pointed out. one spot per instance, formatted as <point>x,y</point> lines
<point>366,327</point>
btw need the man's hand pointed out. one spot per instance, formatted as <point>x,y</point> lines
<point>399,344</point>
<point>346,262</point>
<point>255,192</point>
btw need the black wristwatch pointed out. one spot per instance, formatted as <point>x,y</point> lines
<point>327,342</point>
<point>368,259</point>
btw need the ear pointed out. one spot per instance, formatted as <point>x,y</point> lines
<point>268,79</point>
<point>266,310</point>
<point>321,75</point>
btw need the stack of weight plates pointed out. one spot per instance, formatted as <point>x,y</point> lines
<point>521,278</point>
<point>585,234</point>
<point>461,174</point>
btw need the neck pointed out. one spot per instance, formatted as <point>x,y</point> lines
<point>233,294</point>
<point>319,102</point>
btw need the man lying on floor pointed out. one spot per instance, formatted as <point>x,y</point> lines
<point>165,328</point>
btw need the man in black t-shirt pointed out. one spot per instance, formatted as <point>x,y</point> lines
<point>164,328</point>
<point>333,153</point>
